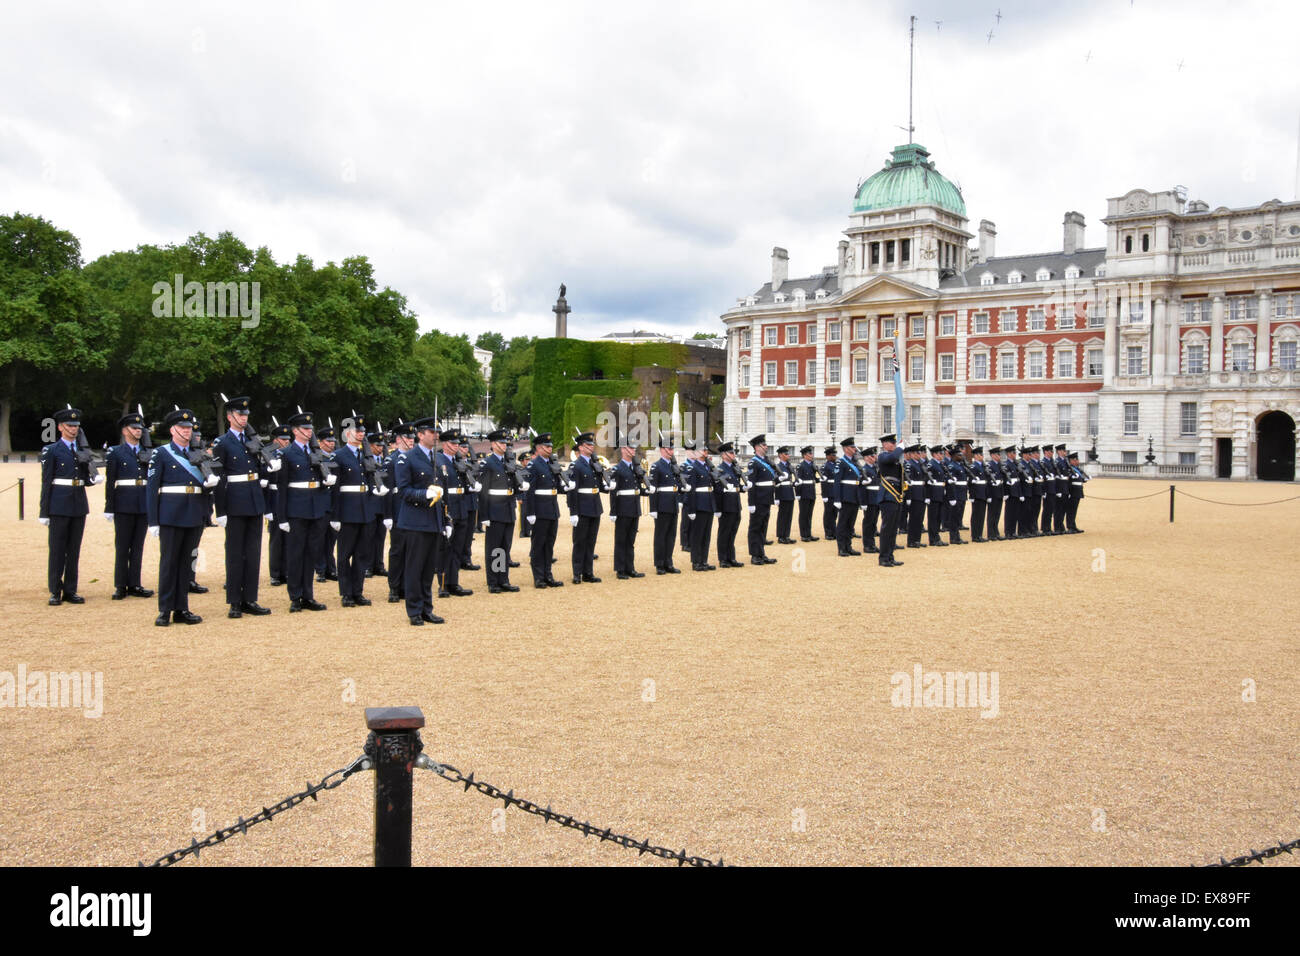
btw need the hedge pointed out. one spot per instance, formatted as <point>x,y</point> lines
<point>562,369</point>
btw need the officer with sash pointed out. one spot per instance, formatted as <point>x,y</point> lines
<point>700,504</point>
<point>848,482</point>
<point>665,484</point>
<point>785,494</point>
<point>585,483</point>
<point>175,506</point>
<point>496,507</point>
<point>63,509</point>
<point>1077,479</point>
<point>726,487</point>
<point>869,500</point>
<point>126,468</point>
<point>300,510</point>
<point>762,494</point>
<point>543,511</point>
<point>830,514</point>
<point>240,504</point>
<point>805,486</point>
<point>889,467</point>
<point>353,504</point>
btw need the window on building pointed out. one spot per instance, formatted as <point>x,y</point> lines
<point>1072,271</point>
<point>1008,419</point>
<point>918,326</point>
<point>1042,275</point>
<point>887,418</point>
<point>771,419</point>
<point>1195,359</point>
<point>832,414</point>
<point>981,323</point>
<point>1009,321</point>
<point>1282,305</point>
<point>1136,311</point>
<point>769,335</point>
<point>1096,363</point>
<point>1014,276</point>
<point>1006,365</point>
<point>792,373</point>
<point>1146,242</point>
<point>1243,358</point>
<point>860,329</point>
<point>859,417</point>
<point>1133,359</point>
<point>1096,315</point>
<point>1128,458</point>
<point>1286,355</point>
<point>986,278</point>
<point>744,375</point>
<point>979,369</point>
<point>1064,419</point>
<point>792,335</point>
<point>889,252</point>
<point>833,371</point>
<point>1035,419</point>
<point>1187,458</point>
<point>791,419</point>
<point>905,250</point>
<point>981,413</point>
<point>1192,310</point>
<point>1187,418</point>
<point>1130,418</point>
<point>947,325</point>
<point>945,419</point>
<point>1128,243</point>
<point>1065,317</point>
<point>887,368</point>
<point>769,373</point>
<point>745,338</point>
<point>916,368</point>
<point>859,369</point>
<point>812,419</point>
<point>875,253</point>
<point>832,331</point>
<point>947,367</point>
<point>1094,417</point>
<point>887,327</point>
<point>1065,363</point>
<point>811,372</point>
<point>916,419</point>
<point>812,332</point>
<point>1037,361</point>
<point>1037,320</point>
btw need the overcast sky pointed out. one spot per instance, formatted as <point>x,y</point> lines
<point>647,155</point>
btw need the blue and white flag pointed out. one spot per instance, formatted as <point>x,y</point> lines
<point>898,390</point>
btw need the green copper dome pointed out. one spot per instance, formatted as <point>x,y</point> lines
<point>909,179</point>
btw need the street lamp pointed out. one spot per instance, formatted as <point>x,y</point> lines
<point>1092,452</point>
<point>1151,455</point>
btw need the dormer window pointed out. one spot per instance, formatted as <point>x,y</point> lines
<point>1072,272</point>
<point>778,297</point>
<point>799,296</point>
<point>1014,276</point>
<point>1042,275</point>
<point>987,278</point>
<point>819,295</point>
<point>1100,271</point>
<point>751,300</point>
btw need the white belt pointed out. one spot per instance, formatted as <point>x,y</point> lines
<point>587,491</point>
<point>304,484</point>
<point>180,489</point>
<point>933,482</point>
<point>726,488</point>
<point>120,481</point>
<point>626,491</point>
<point>762,484</point>
<point>1077,483</point>
<point>978,481</point>
<point>73,482</point>
<point>252,476</point>
<point>501,491</point>
<point>663,491</point>
<point>873,487</point>
<point>957,482</point>
<point>455,491</point>
<point>545,491</point>
<point>354,489</point>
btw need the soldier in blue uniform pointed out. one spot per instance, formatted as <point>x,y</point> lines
<point>403,441</point>
<point>1077,478</point>
<point>762,494</point>
<point>955,493</point>
<point>125,472</point>
<point>525,506</point>
<point>240,504</point>
<point>456,497</point>
<point>805,487</point>
<point>846,498</point>
<point>700,504</point>
<point>1061,470</point>
<point>937,483</point>
<point>784,495</point>
<point>324,538</point>
<point>889,469</point>
<point>1011,492</point>
<point>383,509</point>
<point>586,482</point>
<point>175,507</point>
<point>543,498</point>
<point>869,499</point>
<point>280,437</point>
<point>496,508</point>
<point>665,484</point>
<point>467,461</point>
<point>830,514</point>
<point>64,477</point>
<point>353,505</point>
<point>300,509</point>
<point>422,521</point>
<point>978,489</point>
<point>625,492</point>
<point>917,490</point>
<point>726,489</point>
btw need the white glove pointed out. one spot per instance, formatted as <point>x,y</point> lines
<point>381,490</point>
<point>220,520</point>
<point>284,526</point>
<point>433,492</point>
<point>97,480</point>
<point>573,520</point>
<point>336,525</point>
<point>570,485</point>
<point>952,504</point>
<point>155,531</point>
<point>211,481</point>
<point>487,524</point>
<point>262,482</point>
<point>270,518</point>
<point>524,486</point>
<point>478,486</point>
<point>388,524</point>
<point>717,514</point>
<point>1022,497</point>
<point>330,479</point>
<point>532,519</point>
<point>752,509</point>
<point>839,504</point>
<point>691,516</point>
<point>612,517</point>
<point>654,514</point>
<point>446,532</point>
<point>108,516</point>
<point>46,521</point>
<point>274,465</point>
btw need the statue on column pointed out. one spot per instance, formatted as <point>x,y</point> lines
<point>561,310</point>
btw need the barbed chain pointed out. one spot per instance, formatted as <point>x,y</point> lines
<point>508,798</point>
<point>328,782</point>
<point>1258,856</point>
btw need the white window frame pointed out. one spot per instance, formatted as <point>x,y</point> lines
<point>947,366</point>
<point>978,319</point>
<point>812,419</point>
<point>792,366</point>
<point>744,375</point>
<point>1184,429</point>
<point>832,417</point>
<point>791,418</point>
<point>888,326</point>
<point>812,332</point>
<point>1006,419</point>
<point>810,372</point>
<point>1129,356</point>
<point>769,336</point>
<point>745,338</point>
<point>1065,362</point>
<point>974,365</point>
<point>832,371</point>
<point>1133,423</point>
<point>1003,355</point>
<point>1008,320</point>
<point>1065,419</point>
<point>1035,420</point>
<point>1101,363</point>
<point>948,324</point>
<point>770,416</point>
<point>859,369</point>
<point>1037,320</point>
<point>832,331</point>
<point>1038,356</point>
<point>980,416</point>
<point>769,374</point>
<point>792,335</point>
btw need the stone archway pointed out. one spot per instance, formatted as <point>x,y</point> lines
<point>1275,447</point>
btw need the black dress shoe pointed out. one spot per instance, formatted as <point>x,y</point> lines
<point>660,571</point>
<point>73,598</point>
<point>277,582</point>
<point>769,560</point>
<point>590,579</point>
<point>119,594</point>
<point>459,591</point>
<point>871,550</point>
<point>472,567</point>
<point>134,591</point>
<point>851,552</point>
<point>234,612</point>
<point>348,602</point>
<point>55,600</point>
<point>395,598</point>
<point>540,585</point>
<point>980,540</point>
<point>313,605</point>
<point>703,567</point>
<point>938,544</point>
<point>552,583</point>
<point>514,564</point>
<point>255,609</point>
<point>444,593</point>
<point>163,620</point>
<point>196,588</point>
<point>416,621</point>
<point>185,617</point>
<point>370,574</point>
<point>891,564</point>
<point>810,539</point>
<point>320,578</point>
<point>757,561</point>
<point>432,618</point>
<point>768,544</point>
<point>382,572</point>
<point>672,570</point>
<point>362,601</point>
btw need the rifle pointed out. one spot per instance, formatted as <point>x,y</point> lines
<point>322,462</point>
<point>145,454</point>
<point>200,457</point>
<point>86,457</point>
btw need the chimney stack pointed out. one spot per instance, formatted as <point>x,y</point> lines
<point>1073,232</point>
<point>844,256</point>
<point>988,236</point>
<point>780,267</point>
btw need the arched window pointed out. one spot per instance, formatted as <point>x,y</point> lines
<point>1146,242</point>
<point>1128,243</point>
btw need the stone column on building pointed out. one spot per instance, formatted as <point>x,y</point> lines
<point>1173,337</point>
<point>755,365</point>
<point>961,364</point>
<point>1159,340</point>
<point>1263,341</point>
<point>930,360</point>
<point>819,392</point>
<point>1216,333</point>
<point>1112,338</point>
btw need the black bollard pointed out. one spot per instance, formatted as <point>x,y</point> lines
<point>393,745</point>
<point>1171,504</point>
<point>20,499</point>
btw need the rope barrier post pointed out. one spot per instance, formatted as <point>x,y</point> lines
<point>1171,504</point>
<point>393,745</point>
<point>20,499</point>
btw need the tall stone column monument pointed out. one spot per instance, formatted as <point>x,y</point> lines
<point>561,310</point>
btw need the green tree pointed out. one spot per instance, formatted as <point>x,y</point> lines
<point>49,328</point>
<point>494,342</point>
<point>706,335</point>
<point>512,383</point>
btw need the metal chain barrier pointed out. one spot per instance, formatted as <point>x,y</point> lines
<point>1235,504</point>
<point>10,488</point>
<point>328,782</point>
<point>1258,856</point>
<point>448,772</point>
<point>1091,497</point>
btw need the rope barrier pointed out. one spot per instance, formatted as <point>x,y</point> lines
<point>1162,491</point>
<point>1235,504</point>
<point>10,488</point>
